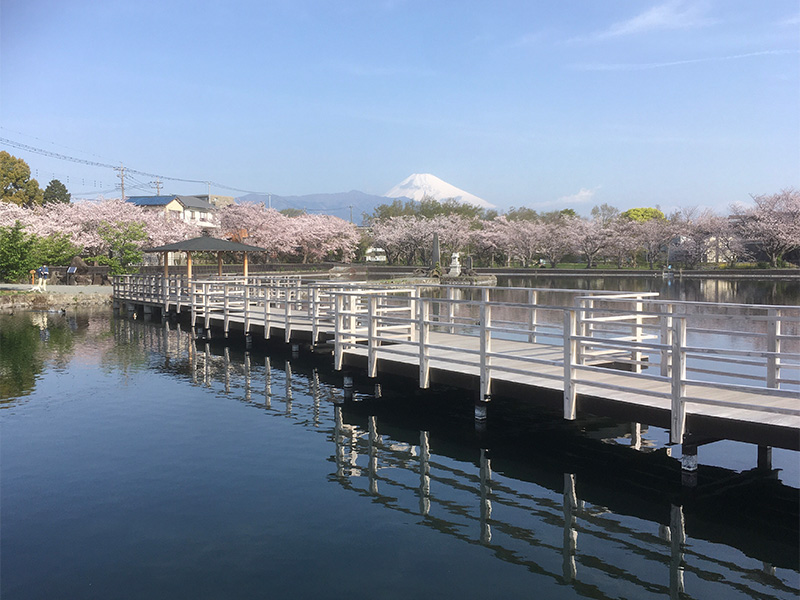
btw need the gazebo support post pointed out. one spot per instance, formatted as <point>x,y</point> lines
<point>219,264</point>
<point>245,264</point>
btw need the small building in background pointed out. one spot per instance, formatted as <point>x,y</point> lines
<point>374,254</point>
<point>192,209</point>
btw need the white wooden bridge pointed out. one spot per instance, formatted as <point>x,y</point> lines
<point>731,364</point>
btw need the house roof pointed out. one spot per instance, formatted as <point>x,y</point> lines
<point>150,200</point>
<point>206,244</point>
<point>186,201</point>
<point>195,202</point>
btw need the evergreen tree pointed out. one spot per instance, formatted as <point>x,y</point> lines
<point>56,192</point>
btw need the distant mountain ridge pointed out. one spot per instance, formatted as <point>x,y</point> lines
<point>337,204</point>
<point>355,203</point>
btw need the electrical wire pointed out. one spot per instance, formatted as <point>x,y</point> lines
<point>127,170</point>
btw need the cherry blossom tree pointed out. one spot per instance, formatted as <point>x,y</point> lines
<point>523,240</point>
<point>623,241</point>
<point>558,240</point>
<point>317,237</point>
<point>654,236</point>
<point>400,236</point>
<point>698,234</point>
<point>257,225</point>
<point>590,238</point>
<point>489,240</point>
<point>773,223</point>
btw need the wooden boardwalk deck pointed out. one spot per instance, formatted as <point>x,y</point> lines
<point>725,362</point>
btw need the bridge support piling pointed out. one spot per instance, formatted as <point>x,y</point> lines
<point>481,411</point>
<point>347,387</point>
<point>764,458</point>
<point>689,465</point>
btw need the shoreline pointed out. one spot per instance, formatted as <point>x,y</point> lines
<point>57,297</point>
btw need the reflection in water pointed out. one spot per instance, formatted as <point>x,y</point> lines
<point>531,514</point>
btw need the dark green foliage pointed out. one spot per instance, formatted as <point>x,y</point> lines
<point>292,212</point>
<point>558,216</point>
<point>56,192</point>
<point>425,208</point>
<point>20,357</point>
<point>15,180</point>
<point>124,242</point>
<point>17,253</point>
<point>55,249</point>
<point>523,213</point>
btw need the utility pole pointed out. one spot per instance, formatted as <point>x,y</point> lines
<point>351,213</point>
<point>270,201</point>
<point>157,183</point>
<point>121,174</point>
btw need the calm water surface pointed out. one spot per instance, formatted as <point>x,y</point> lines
<point>138,463</point>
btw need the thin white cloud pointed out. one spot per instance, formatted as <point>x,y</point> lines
<point>582,197</point>
<point>675,63</point>
<point>792,21</point>
<point>668,16</point>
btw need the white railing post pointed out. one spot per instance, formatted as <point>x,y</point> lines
<point>338,327</point>
<point>225,307</point>
<point>666,339</point>
<point>287,315</point>
<point>165,292</point>
<point>313,307</point>
<point>246,307</point>
<point>424,333</point>
<point>372,342</point>
<point>207,295</point>
<point>268,291</point>
<point>585,310</point>
<point>570,360</point>
<point>774,348</point>
<point>412,306</point>
<point>678,408</point>
<point>451,296</point>
<point>636,354</point>
<point>532,317</point>
<point>486,346</point>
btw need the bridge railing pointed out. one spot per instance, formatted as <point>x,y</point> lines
<point>742,357</point>
<point>680,354</point>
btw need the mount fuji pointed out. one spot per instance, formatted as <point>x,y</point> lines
<point>419,186</point>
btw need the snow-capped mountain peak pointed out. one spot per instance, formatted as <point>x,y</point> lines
<point>418,186</point>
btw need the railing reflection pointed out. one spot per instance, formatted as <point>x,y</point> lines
<point>522,522</point>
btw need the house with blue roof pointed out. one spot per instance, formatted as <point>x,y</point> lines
<point>187,208</point>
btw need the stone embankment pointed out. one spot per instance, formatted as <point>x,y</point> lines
<point>57,297</point>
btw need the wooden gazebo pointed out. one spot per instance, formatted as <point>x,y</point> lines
<point>205,244</point>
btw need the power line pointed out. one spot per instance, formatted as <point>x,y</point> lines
<point>122,170</point>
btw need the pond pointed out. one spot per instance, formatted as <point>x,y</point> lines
<point>138,462</point>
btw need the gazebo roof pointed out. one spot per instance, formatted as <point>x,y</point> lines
<point>206,244</point>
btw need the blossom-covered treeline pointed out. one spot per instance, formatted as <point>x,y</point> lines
<point>83,222</point>
<point>639,236</point>
<point>642,236</point>
<point>307,237</point>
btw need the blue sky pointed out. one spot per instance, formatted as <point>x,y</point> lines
<point>540,104</point>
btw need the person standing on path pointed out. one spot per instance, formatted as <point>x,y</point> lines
<point>44,274</point>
